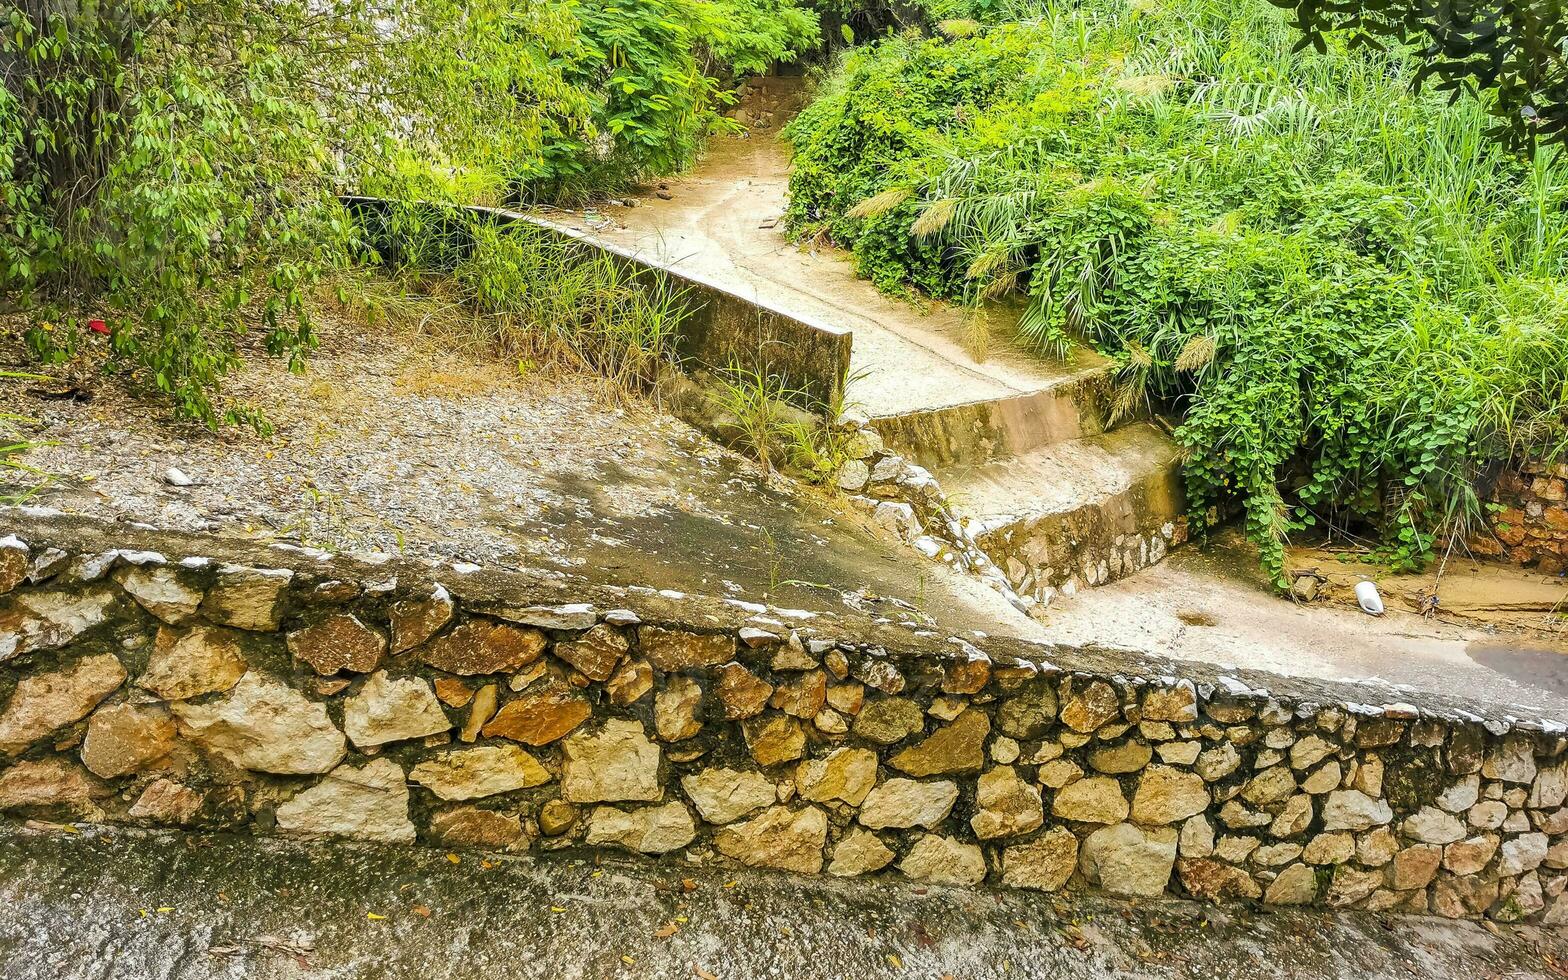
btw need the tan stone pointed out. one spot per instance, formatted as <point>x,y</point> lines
<point>1377,847</point>
<point>480,710</point>
<point>165,802</point>
<point>596,653</point>
<point>847,698</point>
<point>615,763</point>
<point>1269,786</point>
<point>628,684</point>
<point>966,676</point>
<point>1059,772</point>
<point>774,738</point>
<point>52,784</point>
<point>1093,705</point>
<point>675,709</point>
<point>1330,848</point>
<point>539,717</point>
<point>1178,704</point>
<point>1294,817</point>
<point>247,598</point>
<point>338,642</point>
<point>1197,837</point>
<point>415,621</point>
<point>1296,885</point>
<point>161,591</point>
<point>1006,805</point>
<point>468,774</point>
<point>944,861</point>
<point>470,827</point>
<point>1094,799</point>
<point>742,693</point>
<point>1309,750</point>
<point>1235,849</point>
<point>14,562</point>
<point>803,695</point>
<point>386,710</point>
<point>955,748</point>
<point>1369,777</point>
<point>1325,778</point>
<point>860,852</point>
<point>1045,863</point>
<point>368,803</point>
<point>845,775</point>
<point>901,803</point>
<point>649,829</point>
<point>1274,855</point>
<point>1470,856</point>
<point>1218,762</point>
<point>124,738</point>
<point>484,647</point>
<point>1215,881</point>
<point>725,795</point>
<point>1353,810</point>
<point>189,663</point>
<point>1350,885</point>
<point>556,817</point>
<point>671,650</point>
<point>778,838</point>
<point>45,703</point>
<point>1167,795</point>
<point>1416,866</point>
<point>1128,860</point>
<point>264,725</point>
<point>452,692</point>
<point>888,720</point>
<point>1122,758</point>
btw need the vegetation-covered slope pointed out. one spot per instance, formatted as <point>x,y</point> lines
<point>1355,300</point>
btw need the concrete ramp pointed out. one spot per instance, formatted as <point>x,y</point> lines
<point>1019,442</point>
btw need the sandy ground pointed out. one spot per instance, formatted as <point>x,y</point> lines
<point>186,907</point>
<point>392,442</point>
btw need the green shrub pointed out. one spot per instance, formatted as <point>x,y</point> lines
<point>1354,300</point>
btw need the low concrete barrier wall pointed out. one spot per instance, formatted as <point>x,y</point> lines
<point>720,329</point>
<point>162,679</point>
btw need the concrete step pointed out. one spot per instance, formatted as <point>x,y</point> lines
<point>1074,514</point>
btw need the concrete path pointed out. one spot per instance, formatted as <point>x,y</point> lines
<point>185,907</point>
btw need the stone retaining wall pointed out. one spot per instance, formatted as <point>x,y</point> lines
<point>1530,523</point>
<point>291,692</point>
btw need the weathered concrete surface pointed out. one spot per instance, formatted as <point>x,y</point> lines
<point>171,907</point>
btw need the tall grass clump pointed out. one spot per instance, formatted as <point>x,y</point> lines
<point>1355,302</point>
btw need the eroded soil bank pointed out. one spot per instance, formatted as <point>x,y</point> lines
<point>135,906</point>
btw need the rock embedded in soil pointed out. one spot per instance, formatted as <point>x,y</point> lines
<point>264,725</point>
<point>467,774</point>
<point>44,703</point>
<point>369,802</point>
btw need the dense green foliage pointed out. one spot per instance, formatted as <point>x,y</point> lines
<point>173,166</point>
<point>1517,49</point>
<point>1352,297</point>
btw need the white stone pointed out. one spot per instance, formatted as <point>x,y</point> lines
<point>648,830</point>
<point>614,764</point>
<point>1351,809</point>
<point>725,795</point>
<point>1127,860</point>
